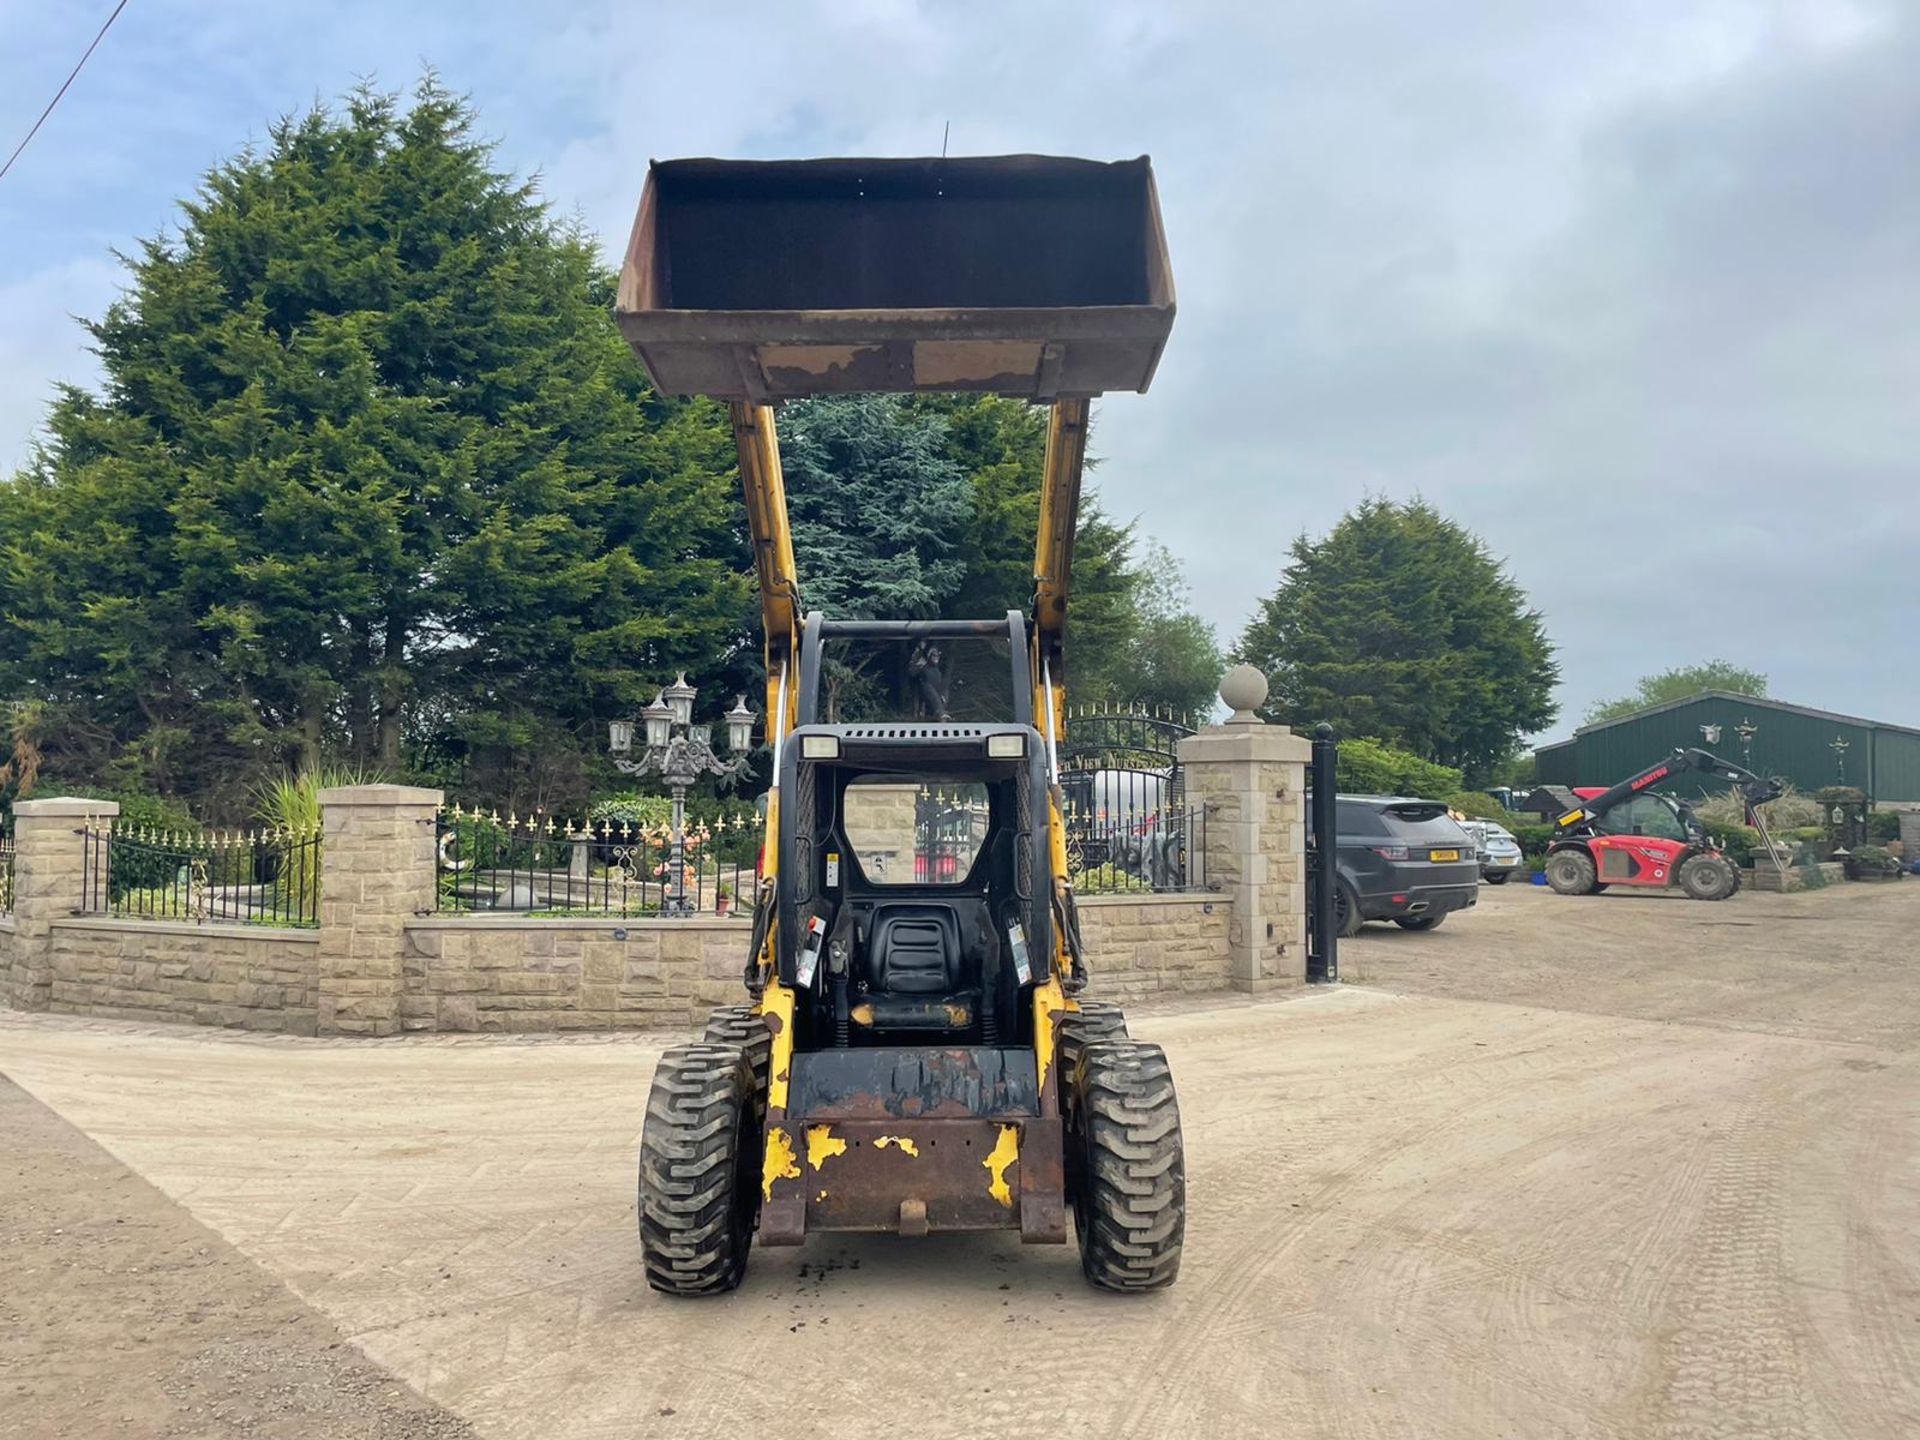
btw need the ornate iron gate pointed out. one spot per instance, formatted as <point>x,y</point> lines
<point>1129,826</point>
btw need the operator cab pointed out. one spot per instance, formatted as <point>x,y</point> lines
<point>1649,813</point>
<point>914,893</point>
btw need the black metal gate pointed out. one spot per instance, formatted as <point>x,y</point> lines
<point>1129,826</point>
<point>1323,930</point>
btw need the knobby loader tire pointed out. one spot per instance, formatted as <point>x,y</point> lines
<point>699,1180</point>
<point>1570,872</point>
<point>1096,1020</point>
<point>738,1025</point>
<point>1708,877</point>
<point>1130,1195</point>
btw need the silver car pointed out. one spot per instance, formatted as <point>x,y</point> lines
<point>1500,853</point>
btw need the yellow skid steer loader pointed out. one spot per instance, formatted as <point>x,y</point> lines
<point>914,1052</point>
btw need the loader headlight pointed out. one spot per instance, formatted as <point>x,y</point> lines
<point>819,747</point>
<point>1006,747</point>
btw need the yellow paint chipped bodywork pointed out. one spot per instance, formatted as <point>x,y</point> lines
<point>781,1163</point>
<point>901,1141</point>
<point>1004,1154</point>
<point>861,1015</point>
<point>823,1145</point>
<point>777,1004</point>
<point>1048,1000</point>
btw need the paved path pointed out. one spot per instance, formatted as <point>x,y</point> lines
<point>1411,1215</point>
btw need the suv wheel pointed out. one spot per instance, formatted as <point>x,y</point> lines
<point>1346,911</point>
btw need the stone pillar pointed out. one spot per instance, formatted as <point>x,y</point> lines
<point>377,872</point>
<point>1251,779</point>
<point>49,881</point>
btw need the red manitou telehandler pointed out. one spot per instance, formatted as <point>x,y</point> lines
<point>1630,836</point>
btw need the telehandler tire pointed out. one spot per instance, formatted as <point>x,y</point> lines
<point>699,1170</point>
<point>1570,872</point>
<point>1708,877</point>
<point>1128,1167</point>
<point>738,1025</point>
<point>1095,1020</point>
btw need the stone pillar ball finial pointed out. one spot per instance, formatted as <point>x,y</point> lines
<point>1244,689</point>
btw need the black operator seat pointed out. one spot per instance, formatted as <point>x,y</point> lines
<point>915,968</point>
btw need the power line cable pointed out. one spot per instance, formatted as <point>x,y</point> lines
<point>63,89</point>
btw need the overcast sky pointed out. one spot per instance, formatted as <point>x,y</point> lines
<point>1631,289</point>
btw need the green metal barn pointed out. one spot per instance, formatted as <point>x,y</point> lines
<point>1791,741</point>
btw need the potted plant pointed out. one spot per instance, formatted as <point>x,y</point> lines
<point>723,899</point>
<point>1873,862</point>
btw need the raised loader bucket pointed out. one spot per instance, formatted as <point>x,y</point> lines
<point>1024,275</point>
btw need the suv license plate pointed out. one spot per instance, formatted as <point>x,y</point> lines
<point>1437,855</point>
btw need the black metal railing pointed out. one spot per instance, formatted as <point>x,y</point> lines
<point>6,874</point>
<point>1157,850</point>
<point>542,866</point>
<point>258,877</point>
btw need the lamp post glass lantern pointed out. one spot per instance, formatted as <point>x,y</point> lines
<point>680,752</point>
<point>1746,730</point>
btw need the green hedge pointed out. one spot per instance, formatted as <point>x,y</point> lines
<point>1367,767</point>
<point>1478,805</point>
<point>1533,840</point>
<point>1882,826</point>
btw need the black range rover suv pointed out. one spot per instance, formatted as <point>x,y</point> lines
<point>1401,860</point>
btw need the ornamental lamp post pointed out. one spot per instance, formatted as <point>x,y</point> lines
<point>1746,730</point>
<point>680,752</point>
<point>1840,746</point>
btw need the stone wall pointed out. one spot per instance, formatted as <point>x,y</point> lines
<point>242,976</point>
<point>1794,877</point>
<point>491,973</point>
<point>383,962</point>
<point>1140,946</point>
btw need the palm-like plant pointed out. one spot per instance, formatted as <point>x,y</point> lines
<point>290,804</point>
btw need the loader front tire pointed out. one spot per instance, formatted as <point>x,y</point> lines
<point>1129,1169</point>
<point>699,1180</point>
<point>739,1025</point>
<point>1095,1020</point>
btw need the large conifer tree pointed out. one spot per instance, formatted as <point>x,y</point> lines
<point>1401,626</point>
<point>371,476</point>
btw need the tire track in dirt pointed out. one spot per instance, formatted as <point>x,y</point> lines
<point>1732,1366</point>
<point>1164,1400</point>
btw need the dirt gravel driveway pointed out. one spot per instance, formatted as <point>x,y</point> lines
<point>1591,1182</point>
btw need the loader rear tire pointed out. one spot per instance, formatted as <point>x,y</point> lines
<point>1570,872</point>
<point>1096,1020</point>
<point>1130,1181</point>
<point>738,1025</point>
<point>1708,877</point>
<point>699,1177</point>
